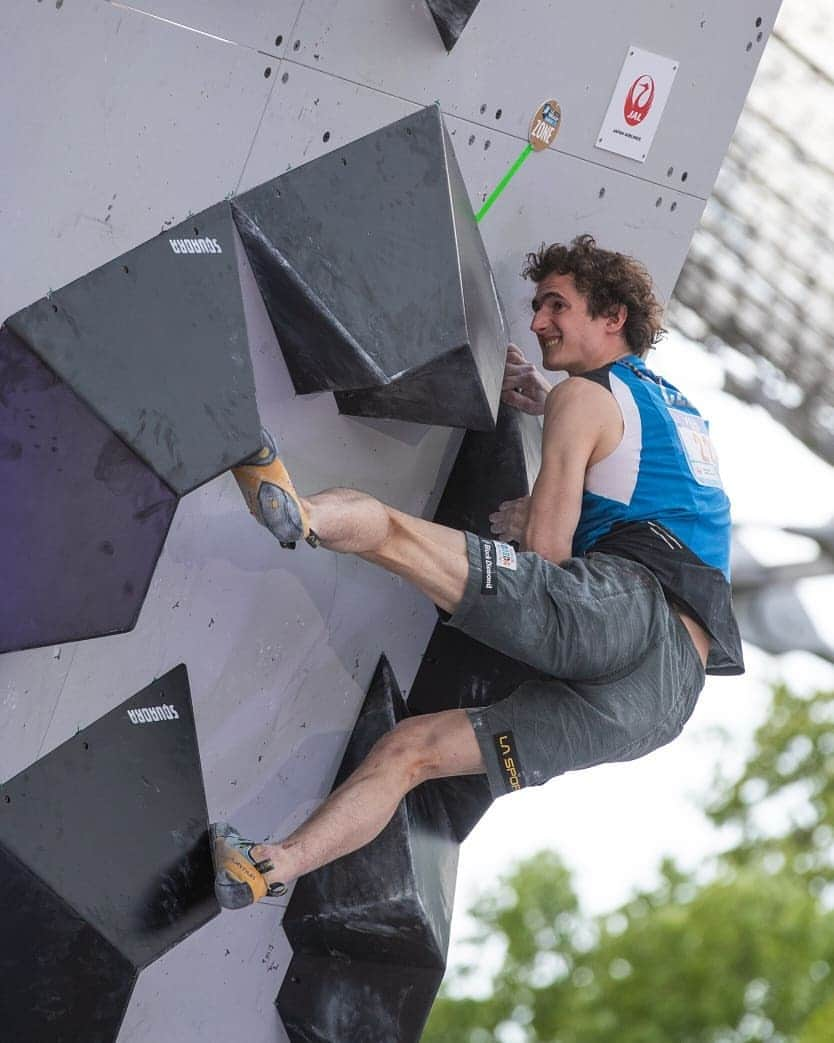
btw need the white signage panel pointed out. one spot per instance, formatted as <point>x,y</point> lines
<point>637,104</point>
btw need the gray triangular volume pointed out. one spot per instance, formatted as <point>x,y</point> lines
<point>60,464</point>
<point>372,270</point>
<point>456,670</point>
<point>114,822</point>
<point>450,17</point>
<point>155,343</point>
<point>391,900</point>
<point>330,998</point>
<point>61,979</point>
<point>428,395</point>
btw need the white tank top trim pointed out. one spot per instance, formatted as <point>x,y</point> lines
<point>615,477</point>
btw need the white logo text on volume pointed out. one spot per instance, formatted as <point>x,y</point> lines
<point>195,246</point>
<point>149,714</point>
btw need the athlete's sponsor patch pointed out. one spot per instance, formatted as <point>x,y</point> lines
<point>508,759</point>
<point>488,568</point>
<point>505,556</point>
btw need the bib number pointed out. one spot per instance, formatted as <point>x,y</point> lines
<point>698,448</point>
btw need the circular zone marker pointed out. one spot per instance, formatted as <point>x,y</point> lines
<point>545,125</point>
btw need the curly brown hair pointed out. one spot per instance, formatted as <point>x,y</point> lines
<point>606,280</point>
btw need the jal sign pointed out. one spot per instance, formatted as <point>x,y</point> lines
<point>637,104</point>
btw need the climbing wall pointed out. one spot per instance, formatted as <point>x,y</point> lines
<point>150,302</point>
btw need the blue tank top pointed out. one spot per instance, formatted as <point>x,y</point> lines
<point>665,469</point>
<point>658,499</point>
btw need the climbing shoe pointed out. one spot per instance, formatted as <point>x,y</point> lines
<point>238,878</point>
<point>271,496</point>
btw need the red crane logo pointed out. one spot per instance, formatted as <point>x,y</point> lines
<point>639,100</point>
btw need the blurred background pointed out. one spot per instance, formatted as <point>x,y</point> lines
<point>689,896</point>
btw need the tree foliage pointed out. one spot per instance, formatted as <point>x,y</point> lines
<point>746,956</point>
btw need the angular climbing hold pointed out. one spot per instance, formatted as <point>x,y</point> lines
<point>372,922</point>
<point>155,343</point>
<point>376,280</point>
<point>456,670</point>
<point>82,518</point>
<point>450,17</point>
<point>339,998</point>
<point>105,865</point>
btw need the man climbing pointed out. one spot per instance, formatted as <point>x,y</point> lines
<point>620,591</point>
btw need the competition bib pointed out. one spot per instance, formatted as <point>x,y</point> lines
<point>697,447</point>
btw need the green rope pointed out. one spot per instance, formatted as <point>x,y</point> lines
<point>502,184</point>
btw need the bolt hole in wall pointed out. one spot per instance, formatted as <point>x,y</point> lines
<point>285,77</point>
<point>267,72</point>
<point>296,45</point>
<point>279,39</point>
<point>326,136</point>
<point>499,113</point>
<point>601,193</point>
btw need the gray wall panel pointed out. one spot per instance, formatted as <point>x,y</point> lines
<point>256,23</point>
<point>158,126</point>
<point>513,56</point>
<point>553,196</point>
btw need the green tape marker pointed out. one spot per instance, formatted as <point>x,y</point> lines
<point>544,127</point>
<point>505,180</point>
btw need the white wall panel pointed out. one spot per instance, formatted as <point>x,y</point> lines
<point>553,196</point>
<point>256,23</point>
<point>512,56</point>
<point>117,125</point>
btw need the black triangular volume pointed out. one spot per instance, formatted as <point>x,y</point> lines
<point>61,979</point>
<point>491,467</point>
<point>155,343</point>
<point>450,17</point>
<point>333,998</point>
<point>114,823</point>
<point>83,520</point>
<point>391,900</point>
<point>428,395</point>
<point>456,670</point>
<point>372,270</point>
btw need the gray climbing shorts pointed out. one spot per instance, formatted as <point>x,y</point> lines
<point>626,675</point>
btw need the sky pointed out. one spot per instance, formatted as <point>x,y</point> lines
<point>613,824</point>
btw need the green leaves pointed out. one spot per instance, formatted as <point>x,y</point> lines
<point>746,957</point>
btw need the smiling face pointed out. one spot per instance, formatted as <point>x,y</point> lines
<point>569,337</point>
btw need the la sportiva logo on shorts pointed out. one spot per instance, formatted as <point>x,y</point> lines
<point>152,714</point>
<point>508,760</point>
<point>195,246</point>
